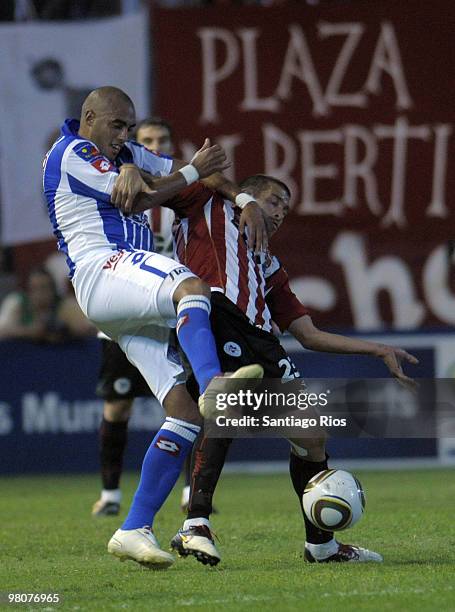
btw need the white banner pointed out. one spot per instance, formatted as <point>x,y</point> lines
<point>46,70</point>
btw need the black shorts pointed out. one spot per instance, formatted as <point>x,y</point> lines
<point>240,343</point>
<point>118,378</point>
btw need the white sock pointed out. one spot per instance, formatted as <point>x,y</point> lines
<point>322,551</point>
<point>112,495</point>
<point>186,494</point>
<point>195,521</point>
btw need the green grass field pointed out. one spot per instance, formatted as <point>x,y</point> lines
<point>50,543</point>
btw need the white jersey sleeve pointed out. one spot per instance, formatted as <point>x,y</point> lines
<point>89,173</point>
<point>153,163</point>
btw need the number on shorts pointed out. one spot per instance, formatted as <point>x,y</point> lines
<point>290,371</point>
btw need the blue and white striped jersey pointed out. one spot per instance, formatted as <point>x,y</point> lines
<point>78,181</point>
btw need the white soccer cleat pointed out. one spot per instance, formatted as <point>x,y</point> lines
<point>139,545</point>
<point>197,541</point>
<point>105,508</point>
<point>230,383</point>
<point>347,553</point>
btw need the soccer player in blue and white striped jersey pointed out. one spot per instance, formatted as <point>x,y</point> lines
<point>130,293</point>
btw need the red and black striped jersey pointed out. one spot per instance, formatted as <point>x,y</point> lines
<point>208,241</point>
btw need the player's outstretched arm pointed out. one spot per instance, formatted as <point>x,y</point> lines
<point>135,190</point>
<point>315,339</point>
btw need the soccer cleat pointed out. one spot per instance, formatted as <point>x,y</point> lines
<point>347,554</point>
<point>197,541</point>
<point>139,545</point>
<point>233,382</point>
<point>105,508</point>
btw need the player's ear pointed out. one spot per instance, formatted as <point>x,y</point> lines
<point>89,117</point>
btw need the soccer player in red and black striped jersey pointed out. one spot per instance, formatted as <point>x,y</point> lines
<point>249,291</point>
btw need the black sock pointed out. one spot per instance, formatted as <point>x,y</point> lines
<point>209,455</point>
<point>113,437</point>
<point>301,472</point>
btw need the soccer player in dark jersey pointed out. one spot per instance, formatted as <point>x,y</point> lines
<point>248,292</point>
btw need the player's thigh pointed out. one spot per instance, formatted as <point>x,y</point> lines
<point>136,291</point>
<point>153,351</point>
<point>118,378</point>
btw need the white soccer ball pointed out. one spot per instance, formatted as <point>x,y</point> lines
<point>334,500</point>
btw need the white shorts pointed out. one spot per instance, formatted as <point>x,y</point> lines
<point>128,296</point>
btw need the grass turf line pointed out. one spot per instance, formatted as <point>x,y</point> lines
<point>50,543</point>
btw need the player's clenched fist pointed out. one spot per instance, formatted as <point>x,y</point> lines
<point>128,185</point>
<point>209,159</point>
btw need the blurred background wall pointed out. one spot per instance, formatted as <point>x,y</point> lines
<point>349,102</point>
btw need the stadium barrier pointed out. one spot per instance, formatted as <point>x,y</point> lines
<point>49,415</point>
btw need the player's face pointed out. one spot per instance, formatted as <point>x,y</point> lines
<point>274,201</point>
<point>155,138</point>
<point>110,129</point>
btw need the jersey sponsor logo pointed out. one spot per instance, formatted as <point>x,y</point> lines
<point>103,165</point>
<point>113,260</point>
<point>233,349</point>
<point>169,446</point>
<point>87,152</point>
<point>122,386</point>
<point>91,154</point>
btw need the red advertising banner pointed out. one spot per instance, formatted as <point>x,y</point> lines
<point>351,105</point>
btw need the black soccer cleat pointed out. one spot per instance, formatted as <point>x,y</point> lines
<point>197,541</point>
<point>346,554</point>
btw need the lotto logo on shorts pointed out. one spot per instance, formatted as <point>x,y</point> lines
<point>169,446</point>
<point>176,272</point>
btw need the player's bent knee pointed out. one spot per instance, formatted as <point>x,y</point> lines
<point>178,404</point>
<point>117,410</point>
<point>191,286</point>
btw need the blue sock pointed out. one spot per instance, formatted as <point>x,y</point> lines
<point>196,338</point>
<point>160,470</point>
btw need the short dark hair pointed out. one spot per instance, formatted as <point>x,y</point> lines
<point>259,182</point>
<point>156,121</point>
